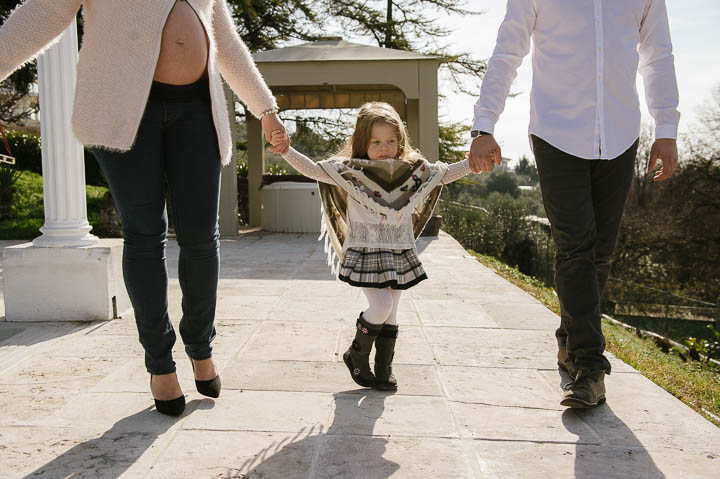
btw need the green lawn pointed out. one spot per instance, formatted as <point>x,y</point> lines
<point>28,214</point>
<point>694,383</point>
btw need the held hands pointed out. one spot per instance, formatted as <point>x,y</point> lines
<point>484,154</point>
<point>275,133</point>
<point>665,150</point>
<point>280,138</point>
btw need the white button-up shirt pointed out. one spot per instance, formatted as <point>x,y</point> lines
<point>585,62</point>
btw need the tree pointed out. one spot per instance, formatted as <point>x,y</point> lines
<point>502,182</point>
<point>526,168</point>
<point>265,24</point>
<point>453,142</point>
<point>406,25</point>
<point>312,143</point>
<point>670,238</point>
<point>707,138</point>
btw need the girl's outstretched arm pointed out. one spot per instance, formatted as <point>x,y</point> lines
<point>306,166</point>
<point>456,171</point>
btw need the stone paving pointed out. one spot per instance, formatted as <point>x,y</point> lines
<point>479,389</point>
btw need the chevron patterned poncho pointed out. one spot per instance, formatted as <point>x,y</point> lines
<point>377,203</point>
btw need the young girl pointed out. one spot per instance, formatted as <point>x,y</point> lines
<point>377,196</point>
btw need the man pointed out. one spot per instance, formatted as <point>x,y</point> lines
<point>584,127</point>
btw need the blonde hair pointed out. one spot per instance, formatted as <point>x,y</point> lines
<point>369,114</point>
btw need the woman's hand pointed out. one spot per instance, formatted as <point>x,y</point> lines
<point>275,133</point>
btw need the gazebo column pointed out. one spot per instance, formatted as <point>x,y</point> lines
<point>413,121</point>
<point>428,111</point>
<point>228,182</point>
<point>427,120</point>
<point>66,274</point>
<point>256,168</point>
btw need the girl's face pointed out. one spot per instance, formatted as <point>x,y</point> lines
<point>383,142</point>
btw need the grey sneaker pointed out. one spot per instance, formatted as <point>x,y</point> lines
<point>587,391</point>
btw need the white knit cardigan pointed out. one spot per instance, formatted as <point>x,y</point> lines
<point>120,49</point>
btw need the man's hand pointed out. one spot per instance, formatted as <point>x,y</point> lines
<point>665,150</point>
<point>275,133</point>
<point>484,154</point>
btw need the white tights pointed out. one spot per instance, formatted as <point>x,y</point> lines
<point>383,305</point>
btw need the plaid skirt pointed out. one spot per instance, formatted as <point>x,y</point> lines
<point>381,268</point>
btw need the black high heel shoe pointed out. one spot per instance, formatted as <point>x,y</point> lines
<point>210,388</point>
<point>170,407</point>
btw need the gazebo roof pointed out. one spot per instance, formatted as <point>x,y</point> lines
<point>335,49</point>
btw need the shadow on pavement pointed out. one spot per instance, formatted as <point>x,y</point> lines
<point>607,447</point>
<point>347,449</point>
<point>110,455</point>
<point>17,337</point>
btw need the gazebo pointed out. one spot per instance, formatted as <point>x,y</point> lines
<point>333,73</point>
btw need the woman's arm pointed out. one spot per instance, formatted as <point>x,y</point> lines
<point>306,166</point>
<point>31,28</point>
<point>237,66</point>
<point>456,171</point>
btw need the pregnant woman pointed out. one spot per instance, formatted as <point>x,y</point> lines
<point>150,102</point>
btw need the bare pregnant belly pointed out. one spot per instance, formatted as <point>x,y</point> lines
<point>184,48</point>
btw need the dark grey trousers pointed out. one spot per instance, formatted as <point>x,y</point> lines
<point>584,201</point>
<point>176,145</point>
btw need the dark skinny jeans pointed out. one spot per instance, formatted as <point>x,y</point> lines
<point>584,201</point>
<point>177,146</point>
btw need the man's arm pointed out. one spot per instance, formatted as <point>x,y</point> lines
<point>661,92</point>
<point>512,45</point>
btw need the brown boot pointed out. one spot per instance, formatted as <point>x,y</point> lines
<point>587,391</point>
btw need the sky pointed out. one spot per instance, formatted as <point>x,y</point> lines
<point>695,32</point>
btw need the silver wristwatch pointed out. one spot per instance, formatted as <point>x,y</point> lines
<point>476,133</point>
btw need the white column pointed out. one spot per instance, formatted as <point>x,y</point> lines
<point>66,223</point>
<point>76,276</point>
